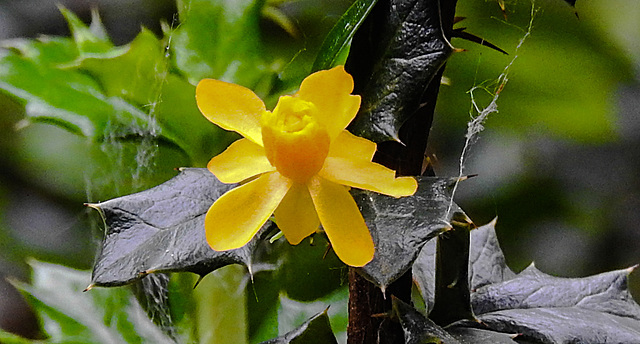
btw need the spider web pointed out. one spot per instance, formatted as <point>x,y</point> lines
<point>129,173</point>
<point>479,114</point>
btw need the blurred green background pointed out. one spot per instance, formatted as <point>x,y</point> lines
<point>558,164</point>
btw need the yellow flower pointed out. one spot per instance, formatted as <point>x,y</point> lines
<point>297,163</point>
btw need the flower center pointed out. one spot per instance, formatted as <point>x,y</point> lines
<point>294,142</point>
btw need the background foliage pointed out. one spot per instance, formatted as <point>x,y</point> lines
<point>558,164</point>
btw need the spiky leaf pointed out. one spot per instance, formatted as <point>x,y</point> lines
<point>394,56</point>
<point>316,330</point>
<point>401,226</point>
<point>162,229</point>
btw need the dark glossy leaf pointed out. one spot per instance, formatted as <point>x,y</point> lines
<point>540,307</point>
<point>291,312</point>
<point>564,325</point>
<point>316,330</point>
<point>479,336</point>
<point>452,296</point>
<point>606,292</point>
<point>401,226</point>
<point>98,316</point>
<point>393,57</point>
<point>418,329</point>
<point>486,263</point>
<point>339,38</point>
<point>162,229</point>
<point>595,309</point>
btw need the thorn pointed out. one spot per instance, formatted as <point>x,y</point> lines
<point>631,269</point>
<point>458,19</point>
<point>89,287</point>
<point>459,50</point>
<point>250,272</point>
<point>460,33</point>
<point>326,252</point>
<point>503,8</point>
<point>396,137</point>
<point>95,206</point>
<point>146,272</point>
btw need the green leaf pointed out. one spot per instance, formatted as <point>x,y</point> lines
<point>308,271</point>
<point>105,92</point>
<point>221,306</point>
<point>162,229</point>
<point>69,99</point>
<point>291,312</point>
<point>168,99</point>
<point>99,316</point>
<point>10,338</point>
<point>220,39</point>
<point>339,38</point>
<point>394,56</point>
<point>401,226</point>
<point>316,330</point>
<point>89,40</point>
<point>134,72</point>
<point>547,89</point>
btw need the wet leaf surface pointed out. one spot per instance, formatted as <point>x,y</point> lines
<point>394,56</point>
<point>162,230</point>
<point>539,307</point>
<point>419,329</point>
<point>401,226</point>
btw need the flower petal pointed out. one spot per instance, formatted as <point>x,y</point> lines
<point>241,160</point>
<point>238,215</point>
<point>342,221</point>
<point>350,146</point>
<point>231,107</point>
<point>368,176</point>
<point>296,216</point>
<point>329,90</point>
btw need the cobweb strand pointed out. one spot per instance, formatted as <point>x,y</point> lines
<point>476,124</point>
